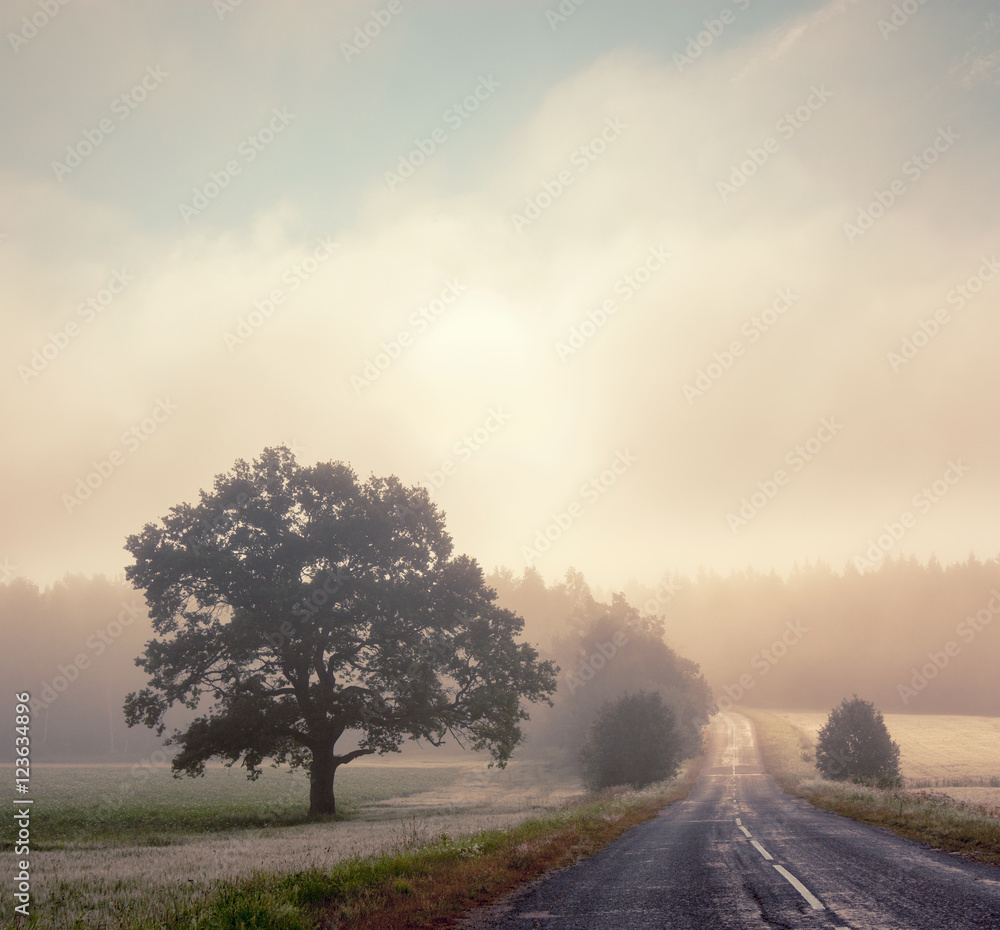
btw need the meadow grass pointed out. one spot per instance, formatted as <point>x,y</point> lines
<point>87,805</point>
<point>377,867</point>
<point>936,750</point>
<point>964,827</point>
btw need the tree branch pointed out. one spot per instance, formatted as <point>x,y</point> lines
<point>348,757</point>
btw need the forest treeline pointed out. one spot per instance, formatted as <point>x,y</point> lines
<point>912,637</point>
<point>72,647</point>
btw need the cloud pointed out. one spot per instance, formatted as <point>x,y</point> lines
<point>255,331</point>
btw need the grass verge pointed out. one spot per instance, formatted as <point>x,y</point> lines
<point>416,886</point>
<point>924,816</point>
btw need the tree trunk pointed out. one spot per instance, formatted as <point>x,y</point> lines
<point>321,772</point>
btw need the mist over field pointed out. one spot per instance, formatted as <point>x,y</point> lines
<point>798,643</point>
<point>445,440</point>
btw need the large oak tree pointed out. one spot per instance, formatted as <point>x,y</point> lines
<point>296,604</point>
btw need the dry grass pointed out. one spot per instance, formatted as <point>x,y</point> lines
<point>935,749</point>
<point>986,798</point>
<point>205,859</point>
<point>958,825</point>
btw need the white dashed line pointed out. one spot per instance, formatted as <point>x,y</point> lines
<point>811,899</point>
<point>761,850</point>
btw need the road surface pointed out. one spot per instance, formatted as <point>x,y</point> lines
<point>738,853</point>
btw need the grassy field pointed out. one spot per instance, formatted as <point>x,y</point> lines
<point>115,847</point>
<point>411,845</point>
<point>935,750</point>
<point>967,825</point>
<point>87,805</point>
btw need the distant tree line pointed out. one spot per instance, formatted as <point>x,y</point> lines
<point>914,637</point>
<point>883,633</point>
<point>72,647</point>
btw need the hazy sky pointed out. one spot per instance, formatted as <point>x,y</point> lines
<point>598,272</point>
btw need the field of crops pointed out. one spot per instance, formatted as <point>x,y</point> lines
<point>114,846</point>
<point>951,799</point>
<point>954,755</point>
<point>935,749</point>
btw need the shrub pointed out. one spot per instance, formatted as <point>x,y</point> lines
<point>634,740</point>
<point>855,744</point>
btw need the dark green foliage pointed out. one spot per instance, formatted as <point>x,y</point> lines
<point>855,744</point>
<point>633,741</point>
<point>304,605</point>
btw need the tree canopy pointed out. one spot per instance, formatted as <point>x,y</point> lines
<point>302,604</point>
<point>855,744</point>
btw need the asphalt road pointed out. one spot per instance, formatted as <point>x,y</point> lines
<point>738,853</point>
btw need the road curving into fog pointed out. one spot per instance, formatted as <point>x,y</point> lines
<point>739,853</point>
